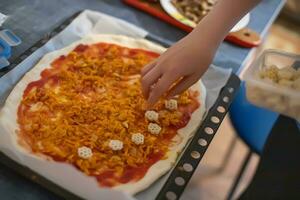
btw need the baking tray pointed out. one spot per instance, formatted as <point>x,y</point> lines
<point>190,157</point>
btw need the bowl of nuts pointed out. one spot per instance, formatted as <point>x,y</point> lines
<point>190,12</point>
<point>273,82</point>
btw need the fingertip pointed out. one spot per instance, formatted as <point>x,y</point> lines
<point>149,106</point>
<point>170,95</point>
<point>147,68</point>
<point>151,100</point>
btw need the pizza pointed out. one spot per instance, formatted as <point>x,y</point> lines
<point>83,105</point>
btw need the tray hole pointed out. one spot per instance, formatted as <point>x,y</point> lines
<point>179,181</point>
<point>202,142</point>
<point>221,109</point>
<point>188,167</point>
<point>171,195</point>
<point>226,99</point>
<point>215,119</point>
<point>33,177</point>
<point>195,154</point>
<point>209,130</point>
<point>230,89</point>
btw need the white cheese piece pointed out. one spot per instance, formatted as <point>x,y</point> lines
<point>84,152</point>
<point>154,128</point>
<point>137,138</point>
<point>115,145</point>
<point>100,90</point>
<point>36,107</point>
<point>125,124</point>
<point>171,104</point>
<point>151,115</point>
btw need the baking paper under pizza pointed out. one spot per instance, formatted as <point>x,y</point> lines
<point>85,108</point>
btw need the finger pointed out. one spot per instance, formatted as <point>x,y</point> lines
<point>183,85</point>
<point>161,87</point>
<point>149,79</point>
<point>148,67</point>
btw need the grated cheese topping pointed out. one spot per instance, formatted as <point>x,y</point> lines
<point>86,106</point>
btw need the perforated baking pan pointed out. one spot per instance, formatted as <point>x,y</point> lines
<point>189,158</point>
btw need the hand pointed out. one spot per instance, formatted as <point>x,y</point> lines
<point>184,63</point>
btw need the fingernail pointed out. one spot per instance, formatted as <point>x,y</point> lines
<point>149,103</point>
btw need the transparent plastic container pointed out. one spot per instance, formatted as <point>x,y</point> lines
<point>281,95</point>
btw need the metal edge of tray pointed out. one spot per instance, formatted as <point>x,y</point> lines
<point>186,164</point>
<point>194,152</point>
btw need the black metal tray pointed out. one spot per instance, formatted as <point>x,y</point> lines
<point>189,158</point>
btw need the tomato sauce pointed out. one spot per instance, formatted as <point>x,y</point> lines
<point>109,178</point>
<point>130,174</point>
<point>80,48</point>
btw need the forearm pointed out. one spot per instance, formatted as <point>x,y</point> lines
<point>226,13</point>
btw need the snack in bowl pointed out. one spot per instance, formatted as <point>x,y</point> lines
<point>277,89</point>
<point>194,10</point>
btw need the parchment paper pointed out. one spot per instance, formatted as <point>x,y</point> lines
<point>66,175</point>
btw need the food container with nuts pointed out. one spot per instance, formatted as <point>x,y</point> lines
<point>273,82</point>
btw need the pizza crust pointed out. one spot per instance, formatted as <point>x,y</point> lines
<point>8,114</point>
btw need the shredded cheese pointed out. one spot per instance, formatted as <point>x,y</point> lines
<point>88,105</point>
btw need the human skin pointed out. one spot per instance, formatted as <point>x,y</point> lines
<point>185,62</point>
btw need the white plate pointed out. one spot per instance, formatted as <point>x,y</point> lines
<point>173,12</point>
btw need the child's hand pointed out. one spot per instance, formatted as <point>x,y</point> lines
<point>186,61</point>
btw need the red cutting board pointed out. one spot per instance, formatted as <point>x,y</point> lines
<point>244,37</point>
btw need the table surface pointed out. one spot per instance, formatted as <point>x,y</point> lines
<point>32,19</point>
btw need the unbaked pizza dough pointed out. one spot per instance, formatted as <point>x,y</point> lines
<point>8,114</point>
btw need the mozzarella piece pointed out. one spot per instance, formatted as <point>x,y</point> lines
<point>84,152</point>
<point>171,104</point>
<point>151,115</point>
<point>137,138</point>
<point>36,107</point>
<point>115,145</point>
<point>125,124</point>
<point>154,128</point>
